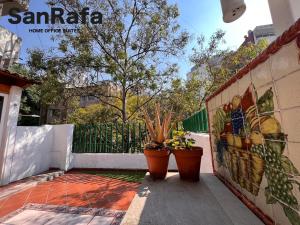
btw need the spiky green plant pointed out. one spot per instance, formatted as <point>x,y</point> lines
<point>159,131</point>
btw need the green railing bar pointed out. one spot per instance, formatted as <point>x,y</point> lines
<point>105,138</point>
<point>117,137</point>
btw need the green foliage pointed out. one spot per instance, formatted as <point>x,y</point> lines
<point>129,176</point>
<point>214,64</point>
<point>30,100</point>
<point>183,97</point>
<point>179,141</point>
<point>93,114</point>
<point>130,50</point>
<point>236,60</point>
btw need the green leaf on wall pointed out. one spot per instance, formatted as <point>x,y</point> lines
<point>293,216</point>
<point>270,199</point>
<point>265,103</point>
<point>288,166</point>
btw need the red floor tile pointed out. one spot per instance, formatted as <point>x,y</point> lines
<point>75,189</point>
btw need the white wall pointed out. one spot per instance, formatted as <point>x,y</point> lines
<point>114,161</point>
<point>284,14</point>
<point>36,149</point>
<point>8,140</point>
<point>138,161</point>
<point>203,141</point>
<point>31,151</point>
<point>61,154</point>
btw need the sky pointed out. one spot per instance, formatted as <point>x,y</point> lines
<point>196,16</point>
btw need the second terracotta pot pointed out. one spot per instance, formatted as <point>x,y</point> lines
<point>157,161</point>
<point>188,163</point>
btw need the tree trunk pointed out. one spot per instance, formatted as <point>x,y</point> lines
<point>124,114</point>
<point>43,114</point>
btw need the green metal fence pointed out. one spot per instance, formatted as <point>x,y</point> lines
<point>109,138</point>
<point>197,123</point>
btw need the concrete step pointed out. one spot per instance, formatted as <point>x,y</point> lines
<point>28,183</point>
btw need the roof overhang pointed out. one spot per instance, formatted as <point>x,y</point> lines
<point>14,79</point>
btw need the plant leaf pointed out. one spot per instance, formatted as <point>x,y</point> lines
<point>270,199</point>
<point>149,124</point>
<point>293,216</point>
<point>288,166</point>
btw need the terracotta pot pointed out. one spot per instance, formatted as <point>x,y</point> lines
<point>157,161</point>
<point>188,163</point>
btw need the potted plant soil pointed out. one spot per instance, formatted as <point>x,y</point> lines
<point>156,153</point>
<point>188,157</point>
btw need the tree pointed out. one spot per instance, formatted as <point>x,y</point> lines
<point>130,50</point>
<point>214,65</point>
<point>93,114</point>
<point>183,97</point>
<point>236,60</point>
<point>30,100</point>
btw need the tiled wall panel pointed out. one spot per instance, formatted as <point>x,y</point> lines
<point>255,135</point>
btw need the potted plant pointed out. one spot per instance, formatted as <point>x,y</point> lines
<point>156,153</point>
<point>188,157</point>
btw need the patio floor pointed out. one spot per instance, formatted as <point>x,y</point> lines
<point>174,202</point>
<point>86,195</point>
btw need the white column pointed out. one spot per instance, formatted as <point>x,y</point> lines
<point>10,130</point>
<point>284,13</point>
<point>61,154</point>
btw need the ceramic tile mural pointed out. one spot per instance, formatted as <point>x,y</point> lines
<point>255,136</point>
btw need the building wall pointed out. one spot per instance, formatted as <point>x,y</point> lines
<point>36,149</point>
<point>255,134</point>
<point>138,161</point>
<point>264,32</point>
<point>8,139</point>
<point>10,45</point>
<point>31,152</point>
<point>114,161</point>
<point>284,13</point>
<point>7,5</point>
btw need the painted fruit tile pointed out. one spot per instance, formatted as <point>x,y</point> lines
<point>282,191</point>
<point>225,96</point>
<point>295,190</point>
<point>279,215</point>
<point>215,165</point>
<point>248,194</point>
<point>233,90</point>
<point>270,89</point>
<point>266,164</point>
<point>288,89</point>
<point>294,155</point>
<point>278,117</point>
<point>214,155</point>
<point>211,116</point>
<point>221,170</point>
<point>212,104</point>
<point>215,103</point>
<point>232,182</point>
<point>226,174</point>
<point>244,83</point>
<point>261,203</point>
<point>261,75</point>
<point>218,100</point>
<point>285,61</point>
<point>291,124</point>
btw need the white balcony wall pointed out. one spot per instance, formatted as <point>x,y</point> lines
<point>36,149</point>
